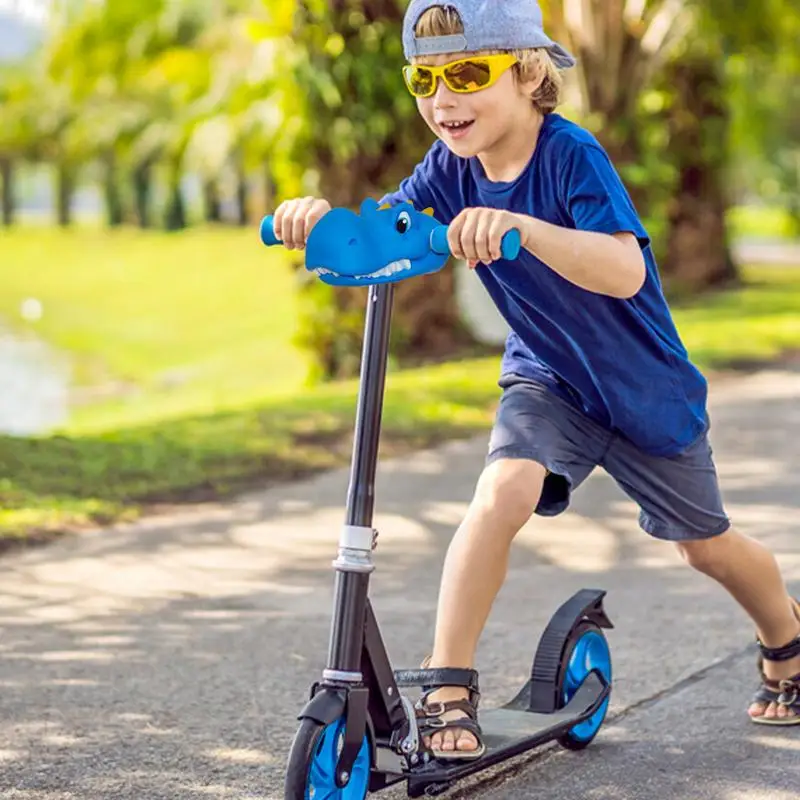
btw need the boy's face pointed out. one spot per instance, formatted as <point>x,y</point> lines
<point>488,113</point>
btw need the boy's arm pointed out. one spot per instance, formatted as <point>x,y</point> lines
<point>610,264</point>
<point>601,249</point>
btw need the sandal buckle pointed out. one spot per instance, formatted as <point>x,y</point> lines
<point>790,691</point>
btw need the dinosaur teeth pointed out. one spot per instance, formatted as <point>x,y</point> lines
<point>390,269</point>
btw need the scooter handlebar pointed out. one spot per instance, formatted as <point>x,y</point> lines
<point>268,236</point>
<point>509,247</point>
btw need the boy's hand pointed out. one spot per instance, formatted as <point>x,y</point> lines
<point>476,234</point>
<point>294,219</point>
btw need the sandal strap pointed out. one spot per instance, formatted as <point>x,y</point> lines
<point>437,677</point>
<point>785,693</point>
<point>780,653</point>
<point>426,710</point>
<point>433,725</point>
<point>429,717</point>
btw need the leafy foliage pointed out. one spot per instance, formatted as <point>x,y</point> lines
<point>267,99</point>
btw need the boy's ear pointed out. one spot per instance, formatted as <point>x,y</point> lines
<point>531,84</point>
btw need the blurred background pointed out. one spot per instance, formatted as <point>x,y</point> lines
<point>152,352</point>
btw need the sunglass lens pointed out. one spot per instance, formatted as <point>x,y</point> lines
<point>420,81</point>
<point>468,75</point>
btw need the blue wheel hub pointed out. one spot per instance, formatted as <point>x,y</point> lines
<point>590,652</point>
<point>321,783</point>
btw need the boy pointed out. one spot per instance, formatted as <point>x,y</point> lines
<point>594,372</point>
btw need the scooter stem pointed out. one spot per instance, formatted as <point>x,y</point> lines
<point>351,588</point>
<point>361,492</point>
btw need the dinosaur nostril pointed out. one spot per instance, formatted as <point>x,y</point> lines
<point>352,241</point>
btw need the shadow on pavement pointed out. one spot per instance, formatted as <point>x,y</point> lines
<point>169,659</point>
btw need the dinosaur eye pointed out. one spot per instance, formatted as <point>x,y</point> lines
<point>403,222</point>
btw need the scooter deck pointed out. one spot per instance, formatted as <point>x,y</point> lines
<point>508,732</point>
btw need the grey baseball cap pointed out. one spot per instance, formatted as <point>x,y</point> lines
<point>488,25</point>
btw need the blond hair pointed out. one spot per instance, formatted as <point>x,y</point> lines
<point>531,63</point>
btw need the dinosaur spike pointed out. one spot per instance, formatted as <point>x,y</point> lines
<point>384,207</point>
<point>410,202</point>
<point>428,211</point>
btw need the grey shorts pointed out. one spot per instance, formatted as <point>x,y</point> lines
<point>678,496</point>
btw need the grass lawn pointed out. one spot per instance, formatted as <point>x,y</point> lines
<point>215,310</point>
<point>203,314</point>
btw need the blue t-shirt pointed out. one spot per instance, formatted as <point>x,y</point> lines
<point>620,361</point>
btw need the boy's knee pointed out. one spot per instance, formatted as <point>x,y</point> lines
<point>509,490</point>
<point>709,556</point>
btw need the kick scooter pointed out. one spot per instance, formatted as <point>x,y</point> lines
<point>358,733</point>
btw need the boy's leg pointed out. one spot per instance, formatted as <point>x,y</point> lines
<point>540,449</point>
<point>474,571</point>
<point>680,501</point>
<point>751,575</point>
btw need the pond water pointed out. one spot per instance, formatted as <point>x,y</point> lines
<point>34,386</point>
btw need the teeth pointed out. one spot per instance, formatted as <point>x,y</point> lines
<point>391,269</point>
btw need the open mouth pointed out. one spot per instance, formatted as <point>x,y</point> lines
<point>457,129</point>
<point>403,265</point>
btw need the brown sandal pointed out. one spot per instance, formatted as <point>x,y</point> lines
<point>430,721</point>
<point>429,714</point>
<point>785,693</point>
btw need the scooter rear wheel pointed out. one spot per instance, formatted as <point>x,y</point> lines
<point>311,771</point>
<point>586,650</point>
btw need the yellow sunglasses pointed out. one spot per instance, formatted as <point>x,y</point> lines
<point>463,76</point>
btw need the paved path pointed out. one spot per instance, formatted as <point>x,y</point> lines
<point>167,659</point>
<point>776,252</point>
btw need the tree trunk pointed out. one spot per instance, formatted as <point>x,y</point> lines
<point>213,203</point>
<point>175,213</point>
<point>65,187</point>
<point>698,255</point>
<point>269,190</point>
<point>7,198</point>
<point>113,197</point>
<point>242,195</point>
<point>142,184</point>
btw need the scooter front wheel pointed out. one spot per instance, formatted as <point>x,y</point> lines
<point>587,650</point>
<point>311,771</point>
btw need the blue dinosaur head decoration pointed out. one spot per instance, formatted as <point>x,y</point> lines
<point>382,244</point>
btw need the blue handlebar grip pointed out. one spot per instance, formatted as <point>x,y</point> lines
<point>509,247</point>
<point>511,244</point>
<point>268,232</point>
<point>439,241</point>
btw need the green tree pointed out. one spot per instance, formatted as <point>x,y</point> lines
<point>13,99</point>
<point>351,132</point>
<point>135,72</point>
<point>697,252</point>
<point>653,63</point>
<point>238,119</point>
<point>764,93</point>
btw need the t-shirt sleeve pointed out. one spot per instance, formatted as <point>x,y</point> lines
<point>595,197</point>
<point>422,187</point>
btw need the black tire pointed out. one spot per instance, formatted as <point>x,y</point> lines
<point>569,740</point>
<point>304,750</point>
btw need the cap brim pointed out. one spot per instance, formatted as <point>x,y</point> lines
<point>561,57</point>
